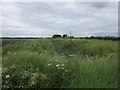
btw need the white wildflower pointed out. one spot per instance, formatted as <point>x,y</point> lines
<point>7,76</point>
<point>8,52</point>
<point>66,70</point>
<point>57,65</point>
<point>71,55</point>
<point>37,69</point>
<point>49,64</point>
<point>35,45</point>
<point>45,51</point>
<point>62,65</point>
<point>32,83</point>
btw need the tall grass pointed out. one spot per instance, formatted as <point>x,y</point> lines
<point>60,63</point>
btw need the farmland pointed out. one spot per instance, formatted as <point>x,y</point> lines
<point>59,63</point>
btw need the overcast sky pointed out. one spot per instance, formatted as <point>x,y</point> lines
<point>47,18</point>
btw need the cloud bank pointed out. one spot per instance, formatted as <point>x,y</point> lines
<point>47,18</point>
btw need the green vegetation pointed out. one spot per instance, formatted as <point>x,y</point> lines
<point>102,38</point>
<point>59,63</point>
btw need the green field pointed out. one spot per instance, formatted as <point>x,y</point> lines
<point>59,63</point>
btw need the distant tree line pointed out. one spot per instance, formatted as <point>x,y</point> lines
<point>92,37</point>
<point>102,38</point>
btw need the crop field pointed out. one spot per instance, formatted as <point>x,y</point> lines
<point>59,63</point>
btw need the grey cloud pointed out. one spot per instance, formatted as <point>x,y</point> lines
<point>100,4</point>
<point>80,18</point>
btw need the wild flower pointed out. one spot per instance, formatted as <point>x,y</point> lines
<point>37,69</point>
<point>45,51</point>
<point>35,45</point>
<point>32,83</point>
<point>8,52</point>
<point>92,57</point>
<point>49,64</point>
<point>62,65</point>
<point>7,76</point>
<point>14,53</point>
<point>66,70</point>
<point>73,58</point>
<point>35,75</point>
<point>71,55</point>
<point>57,65</point>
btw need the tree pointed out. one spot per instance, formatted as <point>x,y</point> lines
<point>65,35</point>
<point>56,36</point>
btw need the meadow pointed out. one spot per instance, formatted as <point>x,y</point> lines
<point>59,63</point>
